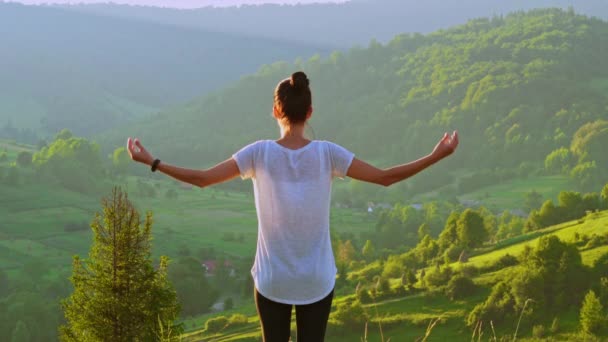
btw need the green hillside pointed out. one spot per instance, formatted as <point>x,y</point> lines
<point>44,224</point>
<point>407,318</point>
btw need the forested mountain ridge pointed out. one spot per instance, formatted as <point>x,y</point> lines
<point>86,72</point>
<point>517,87</point>
<point>340,25</point>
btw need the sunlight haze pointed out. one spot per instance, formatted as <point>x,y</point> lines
<point>181,3</point>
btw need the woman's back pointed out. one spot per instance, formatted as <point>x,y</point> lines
<point>294,262</point>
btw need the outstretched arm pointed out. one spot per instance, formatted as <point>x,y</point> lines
<point>363,171</point>
<point>221,172</point>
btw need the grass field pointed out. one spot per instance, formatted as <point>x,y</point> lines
<point>12,149</point>
<point>592,224</point>
<point>511,194</point>
<point>35,217</point>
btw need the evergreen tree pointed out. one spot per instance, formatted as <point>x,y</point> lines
<point>368,250</point>
<point>470,229</point>
<point>346,252</point>
<point>423,231</point>
<point>533,200</point>
<point>604,196</point>
<point>592,317</point>
<point>118,294</point>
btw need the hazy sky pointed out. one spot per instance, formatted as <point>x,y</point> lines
<point>176,3</point>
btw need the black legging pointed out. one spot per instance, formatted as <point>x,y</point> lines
<point>311,319</point>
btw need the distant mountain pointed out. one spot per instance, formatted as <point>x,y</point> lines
<point>356,22</point>
<point>176,3</point>
<point>88,72</point>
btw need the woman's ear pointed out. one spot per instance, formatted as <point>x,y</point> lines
<point>275,112</point>
<point>309,113</point>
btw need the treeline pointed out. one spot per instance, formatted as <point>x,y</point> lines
<point>440,233</point>
<point>71,162</point>
<point>517,87</point>
<point>78,164</point>
<point>427,250</point>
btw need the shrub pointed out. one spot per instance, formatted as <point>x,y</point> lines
<point>383,286</point>
<point>392,268</point>
<point>237,320</point>
<point>367,273</point>
<point>596,241</point>
<point>460,287</point>
<point>504,261</point>
<point>351,315</point>
<point>363,296</point>
<point>498,307</point>
<point>539,331</point>
<point>399,291</point>
<point>438,276</point>
<point>469,271</point>
<point>216,324</point>
<point>452,253</point>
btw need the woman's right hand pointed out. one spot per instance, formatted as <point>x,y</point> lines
<point>138,153</point>
<point>446,146</point>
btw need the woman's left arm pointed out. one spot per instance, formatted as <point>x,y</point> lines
<point>221,172</point>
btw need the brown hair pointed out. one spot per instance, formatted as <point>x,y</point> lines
<point>293,97</point>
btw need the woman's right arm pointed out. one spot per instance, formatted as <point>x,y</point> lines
<point>363,171</point>
<point>219,173</point>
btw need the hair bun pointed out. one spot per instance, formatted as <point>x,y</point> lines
<point>299,81</point>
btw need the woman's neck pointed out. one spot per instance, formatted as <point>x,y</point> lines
<point>293,135</point>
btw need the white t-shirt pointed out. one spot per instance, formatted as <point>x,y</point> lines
<point>294,263</point>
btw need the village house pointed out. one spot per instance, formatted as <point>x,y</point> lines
<point>211,266</point>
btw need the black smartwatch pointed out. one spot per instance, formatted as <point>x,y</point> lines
<point>155,165</point>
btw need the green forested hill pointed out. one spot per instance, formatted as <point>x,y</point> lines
<point>516,87</point>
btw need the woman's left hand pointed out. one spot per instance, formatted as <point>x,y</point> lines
<point>447,145</point>
<point>138,153</point>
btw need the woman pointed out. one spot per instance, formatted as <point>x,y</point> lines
<point>292,176</point>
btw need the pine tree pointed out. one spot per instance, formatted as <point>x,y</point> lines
<point>118,294</point>
<point>368,250</point>
<point>592,317</point>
